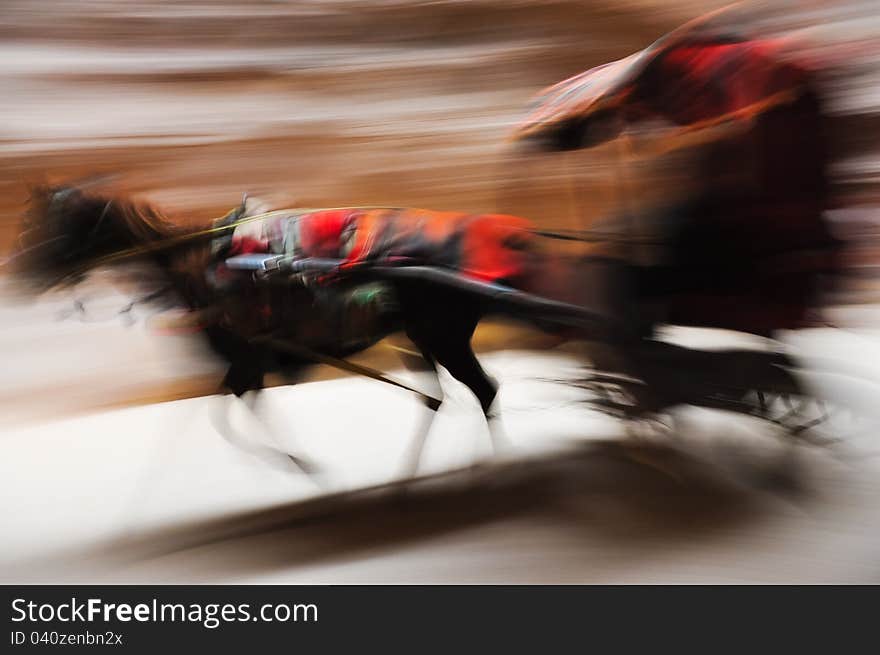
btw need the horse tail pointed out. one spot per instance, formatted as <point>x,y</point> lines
<point>498,298</point>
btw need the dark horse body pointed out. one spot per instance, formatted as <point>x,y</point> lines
<point>70,231</point>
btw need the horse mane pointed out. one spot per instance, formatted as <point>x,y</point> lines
<point>67,229</point>
<point>143,221</point>
<point>83,214</point>
<point>146,224</point>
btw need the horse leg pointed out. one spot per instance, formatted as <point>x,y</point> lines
<point>245,380</point>
<point>448,342</point>
<point>256,401</point>
<point>459,359</point>
<point>425,363</point>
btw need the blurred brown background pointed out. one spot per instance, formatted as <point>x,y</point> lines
<point>338,102</point>
<point>322,103</point>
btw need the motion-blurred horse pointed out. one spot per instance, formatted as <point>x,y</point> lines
<point>460,267</point>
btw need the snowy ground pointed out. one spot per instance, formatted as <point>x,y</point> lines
<point>155,493</point>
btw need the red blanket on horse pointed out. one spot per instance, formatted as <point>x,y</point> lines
<point>491,247</point>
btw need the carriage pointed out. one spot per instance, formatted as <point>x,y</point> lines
<point>748,248</point>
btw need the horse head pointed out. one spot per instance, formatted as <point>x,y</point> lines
<point>68,231</point>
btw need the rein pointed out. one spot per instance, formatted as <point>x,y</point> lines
<point>79,308</point>
<point>344,365</point>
